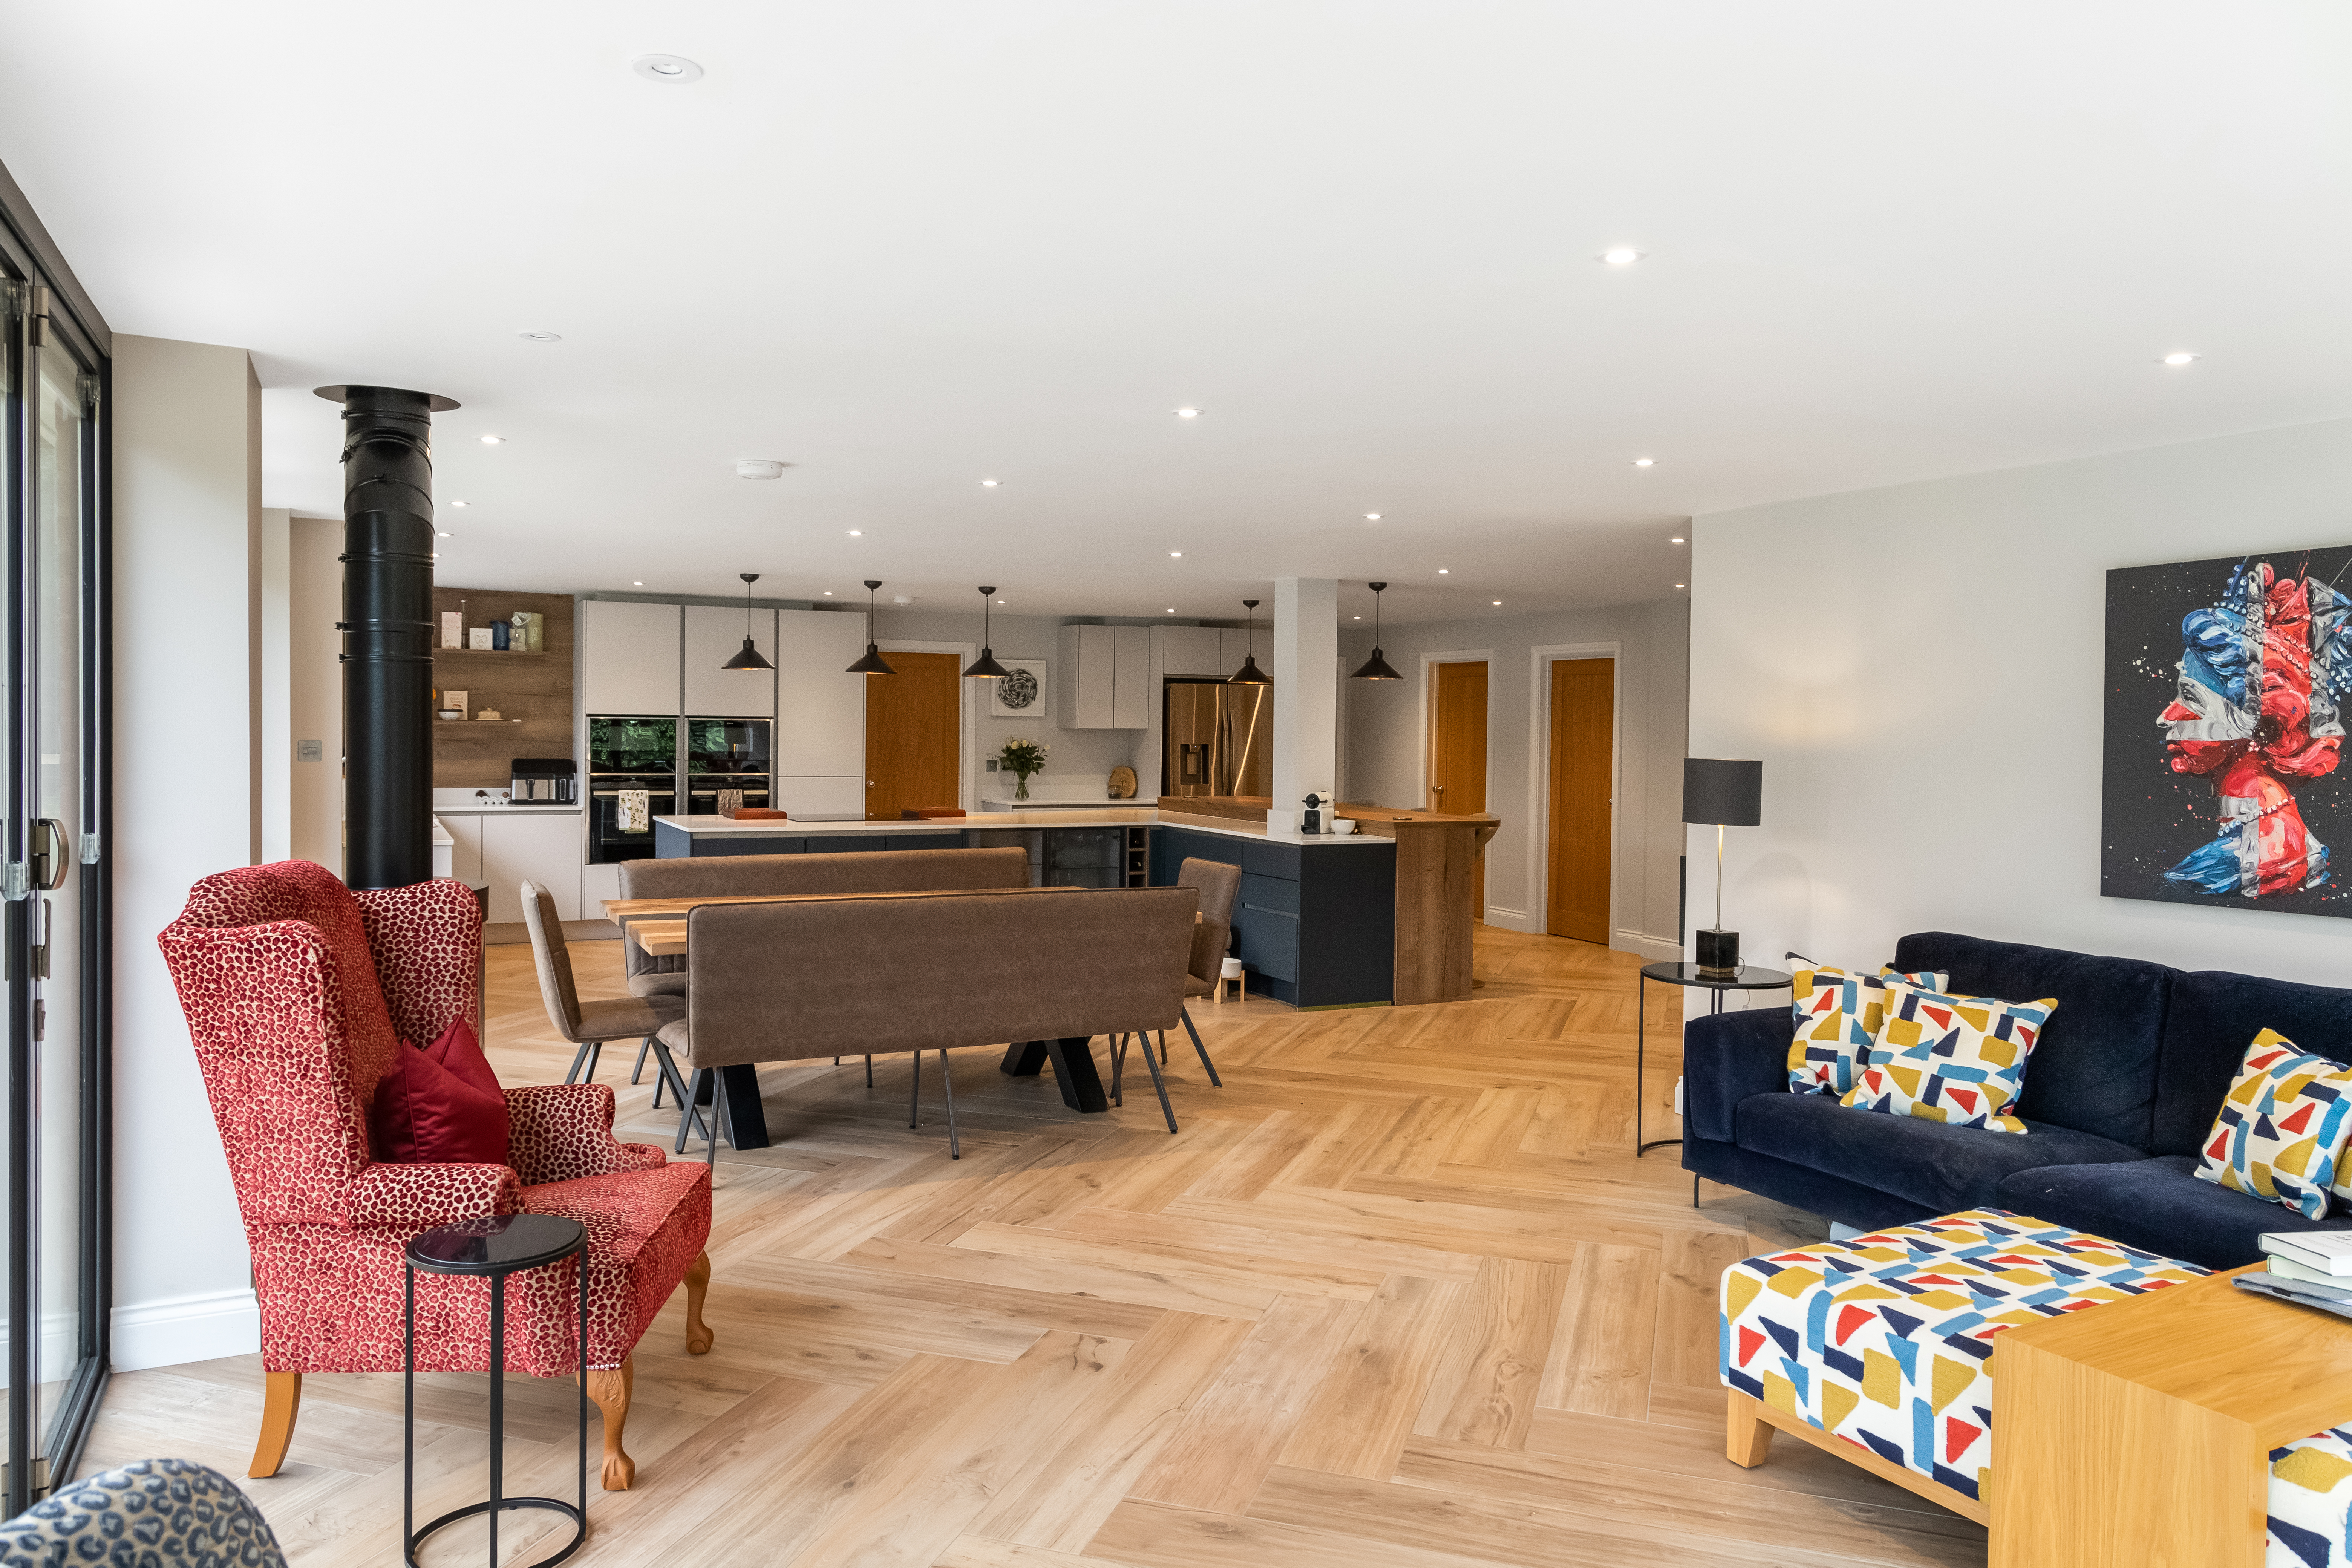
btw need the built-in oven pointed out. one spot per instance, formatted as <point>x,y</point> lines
<point>628,754</point>
<point>727,754</point>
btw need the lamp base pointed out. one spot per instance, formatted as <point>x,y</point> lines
<point>1718,954</point>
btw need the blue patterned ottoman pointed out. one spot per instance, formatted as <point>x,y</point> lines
<point>1879,1350</point>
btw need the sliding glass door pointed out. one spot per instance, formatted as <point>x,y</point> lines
<point>53,958</point>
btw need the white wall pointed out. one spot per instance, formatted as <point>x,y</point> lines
<point>315,690</point>
<point>188,533</point>
<point>1920,670</point>
<point>1387,746</point>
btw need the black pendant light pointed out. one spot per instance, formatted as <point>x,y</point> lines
<point>986,665</point>
<point>872,663</point>
<point>1376,667</point>
<point>749,658</point>
<point>1249,674</point>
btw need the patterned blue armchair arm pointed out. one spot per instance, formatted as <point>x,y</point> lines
<point>164,1513</point>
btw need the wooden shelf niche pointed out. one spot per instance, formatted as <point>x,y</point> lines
<point>534,688</point>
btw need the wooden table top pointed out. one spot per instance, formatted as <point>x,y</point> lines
<point>622,910</point>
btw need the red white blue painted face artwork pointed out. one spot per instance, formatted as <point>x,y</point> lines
<point>2250,717</point>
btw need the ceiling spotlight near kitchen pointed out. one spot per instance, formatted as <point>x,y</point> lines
<point>461,503</point>
<point>1621,256</point>
<point>446,533</point>
<point>988,484</point>
<point>494,440</point>
<point>1249,674</point>
<point>1176,555</point>
<point>2180,357</point>
<point>1188,413</point>
<point>761,468</point>
<point>985,667</point>
<point>1677,539</point>
<point>748,657</point>
<point>1645,462</point>
<point>1498,601</point>
<point>1376,667</point>
<point>637,584</point>
<point>872,663</point>
<point>1678,584</point>
<point>541,337</point>
<point>1441,571</point>
<point>856,533</point>
<point>665,67</point>
<point>1372,517</point>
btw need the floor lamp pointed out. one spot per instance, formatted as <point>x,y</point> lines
<point>1721,794</point>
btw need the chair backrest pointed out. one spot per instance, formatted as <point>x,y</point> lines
<point>866,871</point>
<point>879,975</point>
<point>1220,884</point>
<point>288,1015</point>
<point>557,988</point>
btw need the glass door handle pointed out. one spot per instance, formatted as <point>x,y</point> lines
<point>51,854</point>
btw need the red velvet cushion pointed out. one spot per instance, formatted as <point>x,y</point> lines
<point>441,1105</point>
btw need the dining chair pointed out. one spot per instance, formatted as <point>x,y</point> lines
<point>1218,884</point>
<point>588,1023</point>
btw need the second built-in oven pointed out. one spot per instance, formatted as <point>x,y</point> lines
<point>727,754</point>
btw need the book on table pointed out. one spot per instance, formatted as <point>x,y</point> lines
<point>2306,1278</point>
<point>2329,1252</point>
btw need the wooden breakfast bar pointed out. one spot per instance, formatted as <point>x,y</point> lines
<point>1436,862</point>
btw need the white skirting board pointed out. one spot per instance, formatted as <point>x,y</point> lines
<point>187,1328</point>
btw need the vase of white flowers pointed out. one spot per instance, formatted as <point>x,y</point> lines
<point>1021,758</point>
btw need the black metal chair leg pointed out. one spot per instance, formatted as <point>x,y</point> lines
<point>1164,1047</point>
<point>595,1054</point>
<point>1159,1083</point>
<point>869,1072</point>
<point>946,1082</point>
<point>1186,1013</point>
<point>571,1073</point>
<point>637,1073</point>
<point>718,1117</point>
<point>915,1094</point>
<point>1118,1066</point>
<point>665,1071</point>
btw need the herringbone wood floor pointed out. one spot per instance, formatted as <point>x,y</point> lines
<point>1398,1296</point>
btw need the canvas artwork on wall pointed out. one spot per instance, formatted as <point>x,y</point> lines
<point>2227,685</point>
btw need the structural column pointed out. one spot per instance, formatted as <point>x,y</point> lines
<point>1305,695</point>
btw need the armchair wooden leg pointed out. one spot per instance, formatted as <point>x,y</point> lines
<point>610,1387</point>
<point>1748,1436</point>
<point>698,1337</point>
<point>281,1400</point>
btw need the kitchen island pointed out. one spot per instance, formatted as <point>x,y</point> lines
<point>1315,921</point>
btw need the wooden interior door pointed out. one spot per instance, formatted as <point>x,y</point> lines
<point>912,721</point>
<point>1581,730</point>
<point>1457,753</point>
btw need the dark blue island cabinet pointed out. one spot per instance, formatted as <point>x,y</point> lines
<point>1316,923</point>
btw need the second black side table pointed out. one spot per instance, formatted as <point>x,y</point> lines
<point>493,1247</point>
<point>1750,978</point>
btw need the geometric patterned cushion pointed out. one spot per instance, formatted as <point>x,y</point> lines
<point>1884,1340</point>
<point>158,1511</point>
<point>1838,1018</point>
<point>2310,1494</point>
<point>1959,1060</point>
<point>2280,1135</point>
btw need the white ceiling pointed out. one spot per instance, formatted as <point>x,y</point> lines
<point>907,245</point>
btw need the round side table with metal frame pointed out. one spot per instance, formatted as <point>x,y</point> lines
<point>493,1247</point>
<point>1750,978</point>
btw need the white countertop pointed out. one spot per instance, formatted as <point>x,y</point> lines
<point>770,827</point>
<point>997,806</point>
<point>501,809</point>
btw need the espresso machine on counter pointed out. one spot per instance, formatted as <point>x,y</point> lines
<point>544,781</point>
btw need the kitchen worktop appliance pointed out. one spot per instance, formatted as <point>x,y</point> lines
<point>544,781</point>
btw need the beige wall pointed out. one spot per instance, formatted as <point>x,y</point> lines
<point>315,690</point>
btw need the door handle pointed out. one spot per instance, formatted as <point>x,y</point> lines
<point>50,859</point>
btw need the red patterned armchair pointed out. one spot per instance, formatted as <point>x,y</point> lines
<point>297,991</point>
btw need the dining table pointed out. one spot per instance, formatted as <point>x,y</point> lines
<point>659,927</point>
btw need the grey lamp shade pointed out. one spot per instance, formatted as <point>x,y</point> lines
<point>1723,793</point>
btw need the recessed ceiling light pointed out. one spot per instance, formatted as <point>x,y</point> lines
<point>988,484</point>
<point>1622,256</point>
<point>1441,571</point>
<point>461,503</point>
<point>761,468</point>
<point>494,440</point>
<point>636,584</point>
<point>1172,609</point>
<point>1677,539</point>
<point>828,593</point>
<point>856,533</point>
<point>665,67</point>
<point>2180,357</point>
<point>1000,601</point>
<point>1498,601</point>
<point>1645,462</point>
<point>1188,413</point>
<point>446,533</point>
<point>1176,555</point>
<point>1372,517</point>
<point>541,337</point>
<point>1359,617</point>
<point>1678,584</point>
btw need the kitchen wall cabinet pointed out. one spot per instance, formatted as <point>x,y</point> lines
<point>820,750</point>
<point>629,656</point>
<point>1104,681</point>
<point>714,636</point>
<point>1191,650</point>
<point>547,849</point>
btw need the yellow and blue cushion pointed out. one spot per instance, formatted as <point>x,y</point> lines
<point>1959,1060</point>
<point>2310,1523</point>
<point>1838,1016</point>
<point>2282,1128</point>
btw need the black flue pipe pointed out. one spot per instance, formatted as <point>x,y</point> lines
<point>387,628</point>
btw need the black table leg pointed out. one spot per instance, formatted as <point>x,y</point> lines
<point>1074,1068</point>
<point>1640,1028</point>
<point>747,1123</point>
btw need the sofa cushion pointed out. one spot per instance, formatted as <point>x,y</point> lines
<point>2094,1068</point>
<point>2213,1017</point>
<point>2158,1205</point>
<point>1837,1017</point>
<point>2281,1130</point>
<point>1941,1168</point>
<point>1959,1060</point>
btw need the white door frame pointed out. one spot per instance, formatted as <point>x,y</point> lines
<point>1540,661</point>
<point>967,715</point>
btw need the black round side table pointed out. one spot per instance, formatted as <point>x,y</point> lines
<point>493,1247</point>
<point>1750,978</point>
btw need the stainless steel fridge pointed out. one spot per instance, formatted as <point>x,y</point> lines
<point>1217,738</point>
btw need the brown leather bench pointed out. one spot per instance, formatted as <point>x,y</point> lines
<point>878,976</point>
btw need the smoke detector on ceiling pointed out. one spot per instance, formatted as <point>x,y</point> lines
<point>665,67</point>
<point>761,468</point>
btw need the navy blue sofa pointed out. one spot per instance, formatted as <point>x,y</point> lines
<point>2119,1094</point>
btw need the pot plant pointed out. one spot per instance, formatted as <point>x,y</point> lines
<point>1021,758</point>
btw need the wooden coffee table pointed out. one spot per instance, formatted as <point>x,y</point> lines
<point>2139,1432</point>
